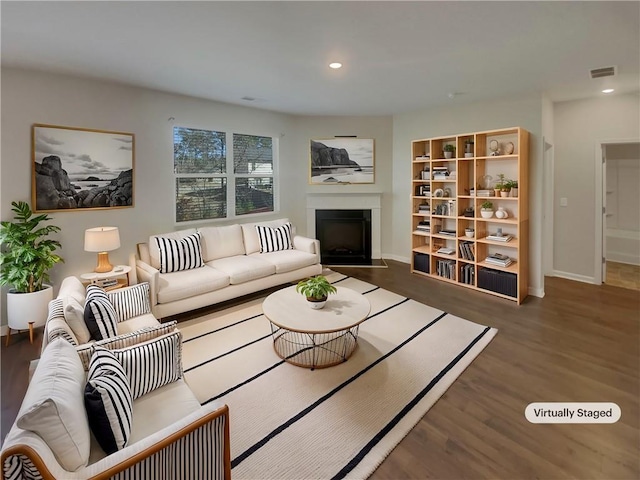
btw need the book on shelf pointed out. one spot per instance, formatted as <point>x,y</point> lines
<point>483,193</point>
<point>107,282</point>
<point>500,262</point>
<point>499,238</point>
<point>451,233</point>
<point>446,250</point>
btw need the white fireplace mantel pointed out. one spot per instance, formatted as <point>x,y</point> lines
<point>348,201</point>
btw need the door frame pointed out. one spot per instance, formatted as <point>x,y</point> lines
<point>601,191</point>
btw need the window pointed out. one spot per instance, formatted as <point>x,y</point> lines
<point>209,185</point>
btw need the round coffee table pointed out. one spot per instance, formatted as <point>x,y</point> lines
<point>312,338</point>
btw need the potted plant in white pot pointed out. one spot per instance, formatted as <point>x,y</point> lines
<point>317,289</point>
<point>449,150</point>
<point>26,257</point>
<point>487,210</point>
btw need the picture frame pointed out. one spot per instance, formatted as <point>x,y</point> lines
<point>81,168</point>
<point>341,160</point>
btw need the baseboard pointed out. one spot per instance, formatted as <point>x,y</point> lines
<point>574,276</point>
<point>397,258</point>
<point>619,257</point>
<point>536,292</point>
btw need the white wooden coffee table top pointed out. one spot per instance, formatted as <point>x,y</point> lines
<point>288,309</point>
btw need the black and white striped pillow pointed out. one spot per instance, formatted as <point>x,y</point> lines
<point>177,255</point>
<point>99,315</point>
<point>274,239</point>
<point>108,401</point>
<point>130,302</point>
<point>152,364</point>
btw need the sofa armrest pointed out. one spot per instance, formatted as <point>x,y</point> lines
<point>159,452</point>
<point>183,440</point>
<point>146,273</point>
<point>306,244</point>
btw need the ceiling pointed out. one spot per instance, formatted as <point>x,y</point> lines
<point>397,56</point>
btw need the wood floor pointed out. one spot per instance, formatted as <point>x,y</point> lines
<point>580,343</point>
<point>623,275</point>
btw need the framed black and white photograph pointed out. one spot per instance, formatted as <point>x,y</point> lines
<point>342,160</point>
<point>80,168</point>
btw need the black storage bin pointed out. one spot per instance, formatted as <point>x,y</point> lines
<point>497,281</point>
<point>421,262</point>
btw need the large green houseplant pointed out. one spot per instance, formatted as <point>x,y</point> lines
<point>26,257</point>
<point>27,254</point>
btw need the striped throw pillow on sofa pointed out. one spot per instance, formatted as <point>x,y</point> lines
<point>178,255</point>
<point>274,239</point>
<point>152,364</point>
<point>108,401</point>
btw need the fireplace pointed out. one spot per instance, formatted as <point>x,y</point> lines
<point>345,236</point>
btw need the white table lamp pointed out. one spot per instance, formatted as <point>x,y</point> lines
<point>102,240</point>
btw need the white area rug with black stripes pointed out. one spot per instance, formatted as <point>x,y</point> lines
<point>289,422</point>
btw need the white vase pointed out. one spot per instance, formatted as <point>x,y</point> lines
<point>485,213</point>
<point>501,213</point>
<point>23,308</point>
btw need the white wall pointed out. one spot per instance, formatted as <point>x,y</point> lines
<point>456,119</point>
<point>33,97</point>
<point>579,126</point>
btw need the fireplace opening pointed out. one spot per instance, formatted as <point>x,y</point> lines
<point>345,236</point>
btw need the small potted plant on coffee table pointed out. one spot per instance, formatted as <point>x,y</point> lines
<point>316,289</point>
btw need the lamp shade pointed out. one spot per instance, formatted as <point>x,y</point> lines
<point>101,239</point>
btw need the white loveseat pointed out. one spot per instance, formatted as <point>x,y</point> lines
<point>233,266</point>
<point>171,435</point>
<point>66,312</point>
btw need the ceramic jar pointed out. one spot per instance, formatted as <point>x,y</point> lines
<point>501,213</point>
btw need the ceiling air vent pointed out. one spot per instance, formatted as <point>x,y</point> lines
<point>603,72</point>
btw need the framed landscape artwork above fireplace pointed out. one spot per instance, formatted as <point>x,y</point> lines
<point>341,160</point>
<point>80,168</point>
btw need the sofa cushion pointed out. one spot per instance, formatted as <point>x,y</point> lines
<point>53,406</point>
<point>74,316</point>
<point>99,314</point>
<point>288,260</point>
<point>107,399</point>
<point>274,239</point>
<point>179,255</point>
<point>152,364</point>
<point>130,302</point>
<point>243,268</point>
<point>137,323</point>
<point>72,287</point>
<point>251,241</point>
<point>154,252</point>
<point>179,285</point>
<point>220,242</point>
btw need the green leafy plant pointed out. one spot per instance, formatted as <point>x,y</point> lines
<point>317,287</point>
<point>27,254</point>
<point>449,148</point>
<point>487,205</point>
<point>511,184</point>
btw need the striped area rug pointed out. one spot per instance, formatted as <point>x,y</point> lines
<point>289,422</point>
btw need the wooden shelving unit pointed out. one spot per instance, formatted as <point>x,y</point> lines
<point>446,190</point>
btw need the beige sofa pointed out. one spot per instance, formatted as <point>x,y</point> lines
<point>233,266</point>
<point>171,433</point>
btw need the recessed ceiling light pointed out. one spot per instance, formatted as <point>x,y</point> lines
<point>608,90</point>
<point>335,65</point>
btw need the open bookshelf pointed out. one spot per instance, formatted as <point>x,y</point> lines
<point>446,200</point>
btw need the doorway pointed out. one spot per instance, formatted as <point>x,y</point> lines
<point>618,231</point>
